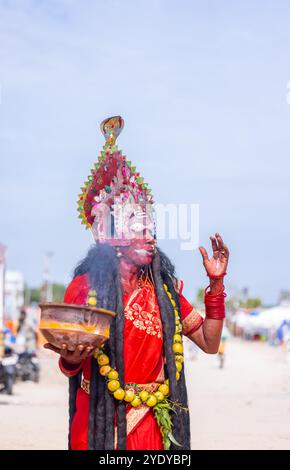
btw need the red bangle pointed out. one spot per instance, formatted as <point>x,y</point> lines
<point>217,276</point>
<point>69,372</point>
<point>215,304</point>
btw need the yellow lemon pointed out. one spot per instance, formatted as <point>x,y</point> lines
<point>113,374</point>
<point>159,395</point>
<point>104,370</point>
<point>178,366</point>
<point>152,400</point>
<point>164,389</point>
<point>179,358</point>
<point>103,360</point>
<point>177,375</point>
<point>177,348</point>
<point>92,301</point>
<point>119,394</point>
<point>144,395</point>
<point>113,385</point>
<point>177,339</point>
<point>136,402</point>
<point>129,395</point>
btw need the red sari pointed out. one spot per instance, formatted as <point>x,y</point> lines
<point>143,362</point>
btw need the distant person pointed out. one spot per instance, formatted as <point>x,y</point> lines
<point>26,340</point>
<point>221,354</point>
<point>222,347</point>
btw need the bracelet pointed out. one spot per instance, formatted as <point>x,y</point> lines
<point>217,276</point>
<point>69,372</point>
<point>213,299</point>
<point>215,304</point>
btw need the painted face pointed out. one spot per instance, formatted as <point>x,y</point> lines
<point>141,249</point>
<point>124,224</point>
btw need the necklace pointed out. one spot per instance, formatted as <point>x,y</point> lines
<point>131,393</point>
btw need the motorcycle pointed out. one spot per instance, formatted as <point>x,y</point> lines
<point>8,370</point>
<point>28,367</point>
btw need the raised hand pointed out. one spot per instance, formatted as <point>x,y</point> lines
<point>217,265</point>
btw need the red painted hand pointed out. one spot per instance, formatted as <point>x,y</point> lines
<point>217,265</point>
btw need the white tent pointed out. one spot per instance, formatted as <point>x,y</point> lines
<point>267,321</point>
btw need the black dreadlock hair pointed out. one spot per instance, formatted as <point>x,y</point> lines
<point>102,267</point>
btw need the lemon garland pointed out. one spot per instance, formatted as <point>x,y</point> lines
<point>131,393</point>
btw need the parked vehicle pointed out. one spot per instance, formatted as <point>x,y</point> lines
<point>8,370</point>
<point>28,367</point>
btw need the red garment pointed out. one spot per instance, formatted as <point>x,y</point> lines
<point>143,361</point>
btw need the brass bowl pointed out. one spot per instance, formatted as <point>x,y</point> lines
<point>72,325</point>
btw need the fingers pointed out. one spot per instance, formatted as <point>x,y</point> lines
<point>89,351</point>
<point>63,350</point>
<point>223,249</point>
<point>203,253</point>
<point>79,350</point>
<point>220,241</point>
<point>51,347</point>
<point>80,353</point>
<point>86,351</point>
<point>215,248</point>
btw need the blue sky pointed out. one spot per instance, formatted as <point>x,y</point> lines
<point>202,86</point>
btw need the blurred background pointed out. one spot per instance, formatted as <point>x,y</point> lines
<point>204,89</point>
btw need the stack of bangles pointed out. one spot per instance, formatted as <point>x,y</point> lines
<point>215,303</point>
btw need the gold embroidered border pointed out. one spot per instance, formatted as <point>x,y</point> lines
<point>134,416</point>
<point>150,387</point>
<point>191,322</point>
<point>85,385</point>
<point>132,419</point>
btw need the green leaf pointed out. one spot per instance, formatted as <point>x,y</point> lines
<point>171,437</point>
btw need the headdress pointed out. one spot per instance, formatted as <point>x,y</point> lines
<point>114,193</point>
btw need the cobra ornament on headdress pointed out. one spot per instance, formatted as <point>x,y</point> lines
<point>114,192</point>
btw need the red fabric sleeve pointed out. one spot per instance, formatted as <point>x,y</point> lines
<point>77,291</point>
<point>68,372</point>
<point>191,319</point>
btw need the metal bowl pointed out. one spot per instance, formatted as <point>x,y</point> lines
<point>71,324</point>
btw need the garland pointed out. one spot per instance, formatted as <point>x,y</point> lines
<point>131,393</point>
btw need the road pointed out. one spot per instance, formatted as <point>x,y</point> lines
<point>246,405</point>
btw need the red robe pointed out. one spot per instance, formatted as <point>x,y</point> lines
<point>143,361</point>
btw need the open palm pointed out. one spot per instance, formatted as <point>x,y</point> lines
<point>217,265</point>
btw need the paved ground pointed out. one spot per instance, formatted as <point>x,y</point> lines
<point>36,416</point>
<point>246,405</point>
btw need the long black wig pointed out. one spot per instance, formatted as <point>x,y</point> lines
<point>102,267</point>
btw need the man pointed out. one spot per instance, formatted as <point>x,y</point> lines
<point>26,334</point>
<point>132,393</point>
